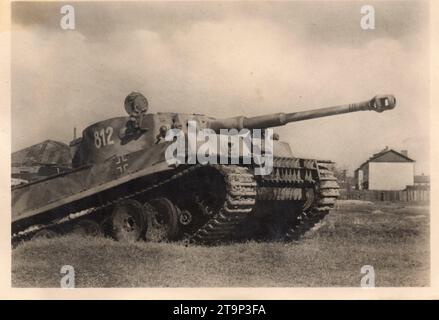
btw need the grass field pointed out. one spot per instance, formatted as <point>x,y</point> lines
<point>393,238</point>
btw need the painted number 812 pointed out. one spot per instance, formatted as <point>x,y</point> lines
<point>102,137</point>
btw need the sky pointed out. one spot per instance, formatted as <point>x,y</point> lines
<point>227,59</point>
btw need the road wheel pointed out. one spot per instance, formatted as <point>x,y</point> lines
<point>87,227</point>
<point>162,219</point>
<point>127,221</point>
<point>45,234</point>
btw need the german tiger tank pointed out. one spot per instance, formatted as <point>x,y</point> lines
<point>137,177</point>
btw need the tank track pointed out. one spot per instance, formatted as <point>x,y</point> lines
<point>327,192</point>
<point>239,204</point>
<point>242,194</point>
<point>294,180</point>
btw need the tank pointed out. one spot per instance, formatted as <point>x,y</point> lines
<point>123,184</point>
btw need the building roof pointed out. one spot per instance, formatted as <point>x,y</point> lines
<point>387,155</point>
<point>48,152</point>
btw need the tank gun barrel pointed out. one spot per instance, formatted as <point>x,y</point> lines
<point>378,103</point>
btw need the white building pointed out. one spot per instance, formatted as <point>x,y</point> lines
<point>386,170</point>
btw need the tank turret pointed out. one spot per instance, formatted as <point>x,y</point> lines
<point>378,103</point>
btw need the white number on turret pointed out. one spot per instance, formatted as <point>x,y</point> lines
<point>103,137</point>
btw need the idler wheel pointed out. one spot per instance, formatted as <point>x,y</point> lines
<point>185,217</point>
<point>87,227</point>
<point>45,234</point>
<point>162,219</point>
<point>127,221</point>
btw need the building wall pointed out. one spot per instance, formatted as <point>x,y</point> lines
<point>391,175</point>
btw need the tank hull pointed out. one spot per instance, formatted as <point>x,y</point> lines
<point>243,199</point>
